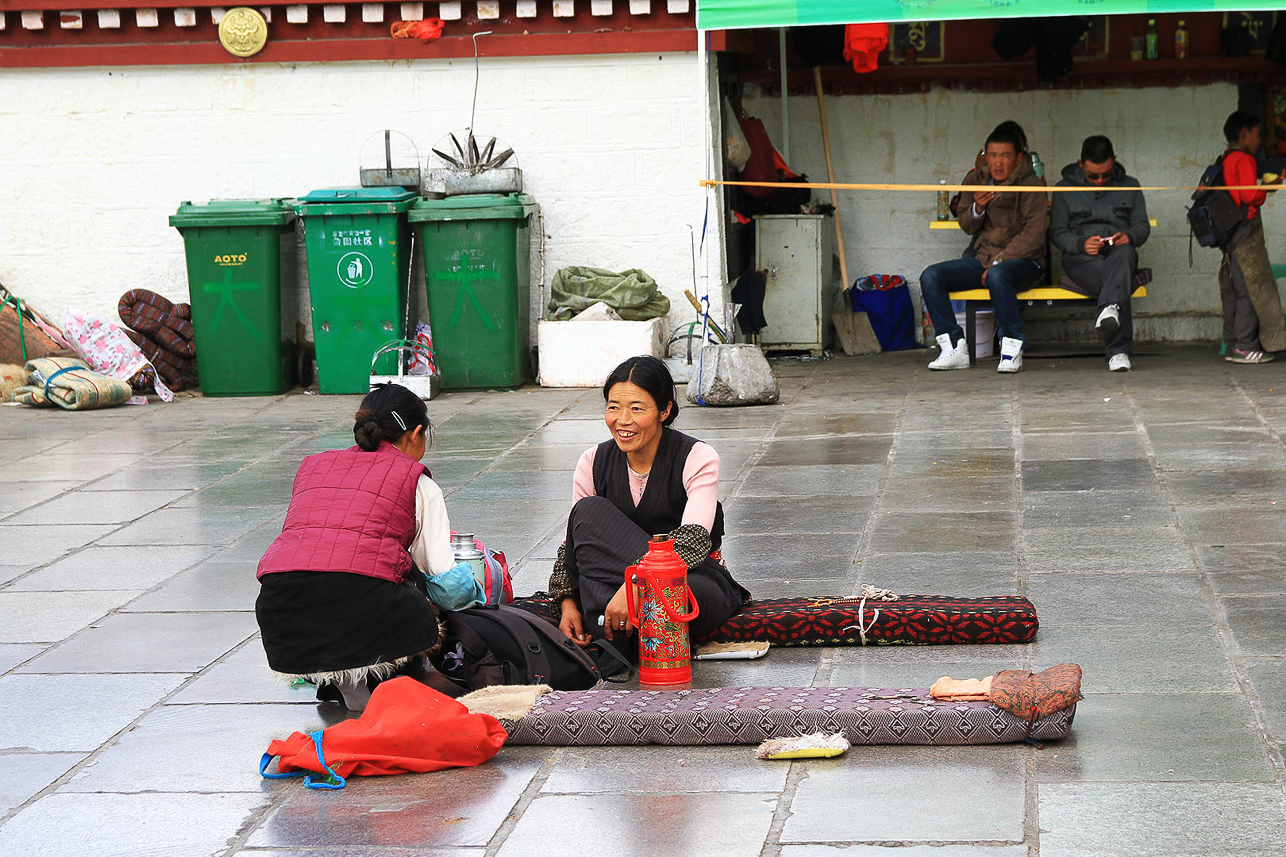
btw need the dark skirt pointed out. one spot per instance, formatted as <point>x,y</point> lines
<point>324,621</point>
<point>602,542</point>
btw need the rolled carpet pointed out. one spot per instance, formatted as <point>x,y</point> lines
<point>68,383</point>
<point>752,715</point>
<point>164,332</point>
<point>923,620</point>
<point>845,620</point>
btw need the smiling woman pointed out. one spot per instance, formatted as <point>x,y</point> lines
<point>648,479</point>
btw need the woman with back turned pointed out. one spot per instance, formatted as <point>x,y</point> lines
<point>344,600</point>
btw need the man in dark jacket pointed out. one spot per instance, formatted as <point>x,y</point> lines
<point>1009,243</point>
<point>1099,232</point>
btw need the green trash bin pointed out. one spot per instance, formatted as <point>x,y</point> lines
<point>234,279</point>
<point>358,261</point>
<point>477,269</point>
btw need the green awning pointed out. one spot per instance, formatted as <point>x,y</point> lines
<point>734,14</point>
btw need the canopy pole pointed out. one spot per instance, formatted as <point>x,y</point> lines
<point>785,108</point>
<point>830,177</point>
<point>709,94</point>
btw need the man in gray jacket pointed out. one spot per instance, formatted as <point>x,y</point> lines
<point>1098,232</point>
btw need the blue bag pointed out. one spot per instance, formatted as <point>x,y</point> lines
<point>888,307</point>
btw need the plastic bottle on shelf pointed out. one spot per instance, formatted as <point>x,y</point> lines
<point>1181,42</point>
<point>944,203</point>
<point>1153,50</point>
<point>1038,167</point>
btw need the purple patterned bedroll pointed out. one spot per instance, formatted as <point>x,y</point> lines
<point>752,715</point>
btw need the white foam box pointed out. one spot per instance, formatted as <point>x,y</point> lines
<point>584,353</point>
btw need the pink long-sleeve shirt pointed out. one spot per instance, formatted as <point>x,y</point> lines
<point>700,480</point>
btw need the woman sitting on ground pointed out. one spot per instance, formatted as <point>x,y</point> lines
<point>648,479</point>
<point>342,600</point>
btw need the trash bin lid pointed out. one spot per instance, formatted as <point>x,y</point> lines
<point>356,200</point>
<point>234,212</point>
<point>475,206</point>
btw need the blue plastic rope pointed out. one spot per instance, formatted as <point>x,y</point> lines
<point>701,359</point>
<point>263,769</point>
<point>333,780</point>
<point>705,313</point>
<point>51,378</point>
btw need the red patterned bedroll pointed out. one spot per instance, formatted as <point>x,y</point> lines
<point>923,620</point>
<point>840,620</point>
<point>752,715</point>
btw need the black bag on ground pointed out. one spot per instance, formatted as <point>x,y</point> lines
<point>501,644</point>
<point>1213,216</point>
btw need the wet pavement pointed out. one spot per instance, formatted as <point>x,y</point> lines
<point>1143,513</point>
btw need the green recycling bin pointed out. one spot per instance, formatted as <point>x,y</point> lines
<point>477,269</point>
<point>358,262</point>
<point>234,279</point>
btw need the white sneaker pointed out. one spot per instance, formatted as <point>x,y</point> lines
<point>951,358</point>
<point>1118,363</point>
<point>1109,320</point>
<point>1011,355</point>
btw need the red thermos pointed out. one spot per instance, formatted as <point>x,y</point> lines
<point>661,614</point>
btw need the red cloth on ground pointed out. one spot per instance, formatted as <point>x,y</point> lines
<point>863,44</point>
<point>406,728</point>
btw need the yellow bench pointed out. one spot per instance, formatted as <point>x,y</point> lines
<point>1048,294</point>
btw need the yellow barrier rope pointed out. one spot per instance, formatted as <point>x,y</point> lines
<point>972,188</point>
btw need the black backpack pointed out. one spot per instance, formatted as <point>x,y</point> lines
<point>501,644</point>
<point>1213,216</point>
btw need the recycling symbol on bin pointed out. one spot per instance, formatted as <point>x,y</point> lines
<point>355,270</point>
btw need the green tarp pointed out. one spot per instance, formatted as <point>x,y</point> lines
<point>633,294</point>
<point>732,14</point>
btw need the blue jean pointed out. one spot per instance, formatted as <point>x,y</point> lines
<point>1004,281</point>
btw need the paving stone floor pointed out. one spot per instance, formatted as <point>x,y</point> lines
<point>1144,514</point>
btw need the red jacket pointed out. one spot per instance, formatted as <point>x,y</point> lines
<point>1240,168</point>
<point>351,511</point>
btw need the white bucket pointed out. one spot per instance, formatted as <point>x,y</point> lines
<point>984,321</point>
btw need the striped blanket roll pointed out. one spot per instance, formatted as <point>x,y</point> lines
<point>164,332</point>
<point>68,383</point>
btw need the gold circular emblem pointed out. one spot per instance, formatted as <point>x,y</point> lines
<point>243,32</point>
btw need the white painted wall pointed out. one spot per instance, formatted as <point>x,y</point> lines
<point>612,147</point>
<point>1164,137</point>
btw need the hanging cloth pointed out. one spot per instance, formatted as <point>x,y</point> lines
<point>863,44</point>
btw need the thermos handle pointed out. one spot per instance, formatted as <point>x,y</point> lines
<point>694,609</point>
<point>631,575</point>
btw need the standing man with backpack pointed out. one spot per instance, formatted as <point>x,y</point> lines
<point>1252,309</point>
<point>1099,233</point>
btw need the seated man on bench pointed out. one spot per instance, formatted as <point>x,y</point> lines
<point>1009,239</point>
<point>1098,232</point>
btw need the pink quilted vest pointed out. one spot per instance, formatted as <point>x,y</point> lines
<point>351,511</point>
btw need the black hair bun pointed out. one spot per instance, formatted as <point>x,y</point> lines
<point>367,433</point>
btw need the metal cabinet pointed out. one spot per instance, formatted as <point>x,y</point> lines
<point>798,253</point>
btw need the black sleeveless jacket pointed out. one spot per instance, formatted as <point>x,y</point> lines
<point>660,510</point>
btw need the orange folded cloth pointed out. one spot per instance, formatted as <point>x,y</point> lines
<point>962,689</point>
<point>427,30</point>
